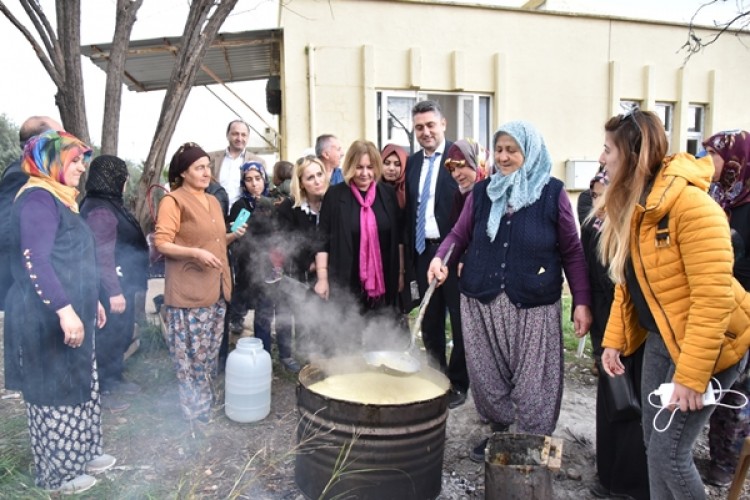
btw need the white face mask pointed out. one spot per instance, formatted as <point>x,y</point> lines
<point>713,395</point>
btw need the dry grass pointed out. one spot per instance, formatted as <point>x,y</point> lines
<point>160,455</point>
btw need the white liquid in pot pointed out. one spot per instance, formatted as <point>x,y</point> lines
<point>377,388</point>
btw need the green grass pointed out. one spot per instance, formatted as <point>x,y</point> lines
<point>570,341</point>
<point>16,462</point>
<point>164,458</point>
<point>16,476</point>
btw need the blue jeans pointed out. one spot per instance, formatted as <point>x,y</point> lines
<point>265,310</point>
<point>671,470</point>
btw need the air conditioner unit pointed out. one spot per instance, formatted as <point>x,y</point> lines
<point>578,174</point>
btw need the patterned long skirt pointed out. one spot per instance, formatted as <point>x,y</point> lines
<point>515,362</point>
<point>195,337</point>
<point>65,438</point>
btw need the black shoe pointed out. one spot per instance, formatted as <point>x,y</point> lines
<point>477,452</point>
<point>456,398</point>
<point>599,491</point>
<point>717,476</point>
<point>498,427</point>
<point>291,365</point>
<point>236,327</point>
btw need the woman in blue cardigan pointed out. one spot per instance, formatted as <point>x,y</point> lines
<point>518,233</point>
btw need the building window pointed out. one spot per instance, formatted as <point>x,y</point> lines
<point>695,128</point>
<point>665,110</point>
<point>466,115</point>
<point>395,119</point>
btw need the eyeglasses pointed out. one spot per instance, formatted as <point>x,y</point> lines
<point>452,164</point>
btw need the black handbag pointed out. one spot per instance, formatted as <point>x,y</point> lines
<point>622,400</point>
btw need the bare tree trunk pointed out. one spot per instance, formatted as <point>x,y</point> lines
<point>124,20</point>
<point>200,30</point>
<point>60,54</point>
<point>70,97</point>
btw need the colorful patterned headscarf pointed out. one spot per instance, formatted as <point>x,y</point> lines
<point>733,187</point>
<point>246,167</point>
<point>524,186</point>
<point>45,158</point>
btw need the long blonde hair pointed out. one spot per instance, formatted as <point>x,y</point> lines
<point>640,138</point>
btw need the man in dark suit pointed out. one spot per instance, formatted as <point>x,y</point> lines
<point>429,199</point>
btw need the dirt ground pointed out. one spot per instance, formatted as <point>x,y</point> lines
<point>161,456</point>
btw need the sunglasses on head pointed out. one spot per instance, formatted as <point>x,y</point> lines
<point>632,115</point>
<point>452,164</point>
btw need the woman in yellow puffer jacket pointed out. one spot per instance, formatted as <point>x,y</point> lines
<point>669,253</point>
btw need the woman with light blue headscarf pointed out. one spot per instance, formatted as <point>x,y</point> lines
<point>518,231</point>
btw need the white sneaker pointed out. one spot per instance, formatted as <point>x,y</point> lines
<point>100,464</point>
<point>74,486</point>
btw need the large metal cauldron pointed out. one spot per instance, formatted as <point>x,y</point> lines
<point>383,451</point>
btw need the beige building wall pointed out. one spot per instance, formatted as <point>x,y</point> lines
<point>564,73</point>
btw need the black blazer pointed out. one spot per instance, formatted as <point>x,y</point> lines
<point>336,230</point>
<point>444,191</point>
<point>300,230</point>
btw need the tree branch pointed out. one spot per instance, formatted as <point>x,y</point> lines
<point>203,23</point>
<point>124,21</point>
<point>44,28</point>
<point>40,53</point>
<point>695,44</point>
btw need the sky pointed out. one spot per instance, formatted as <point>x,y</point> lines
<point>204,118</point>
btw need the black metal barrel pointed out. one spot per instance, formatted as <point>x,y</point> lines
<point>354,450</point>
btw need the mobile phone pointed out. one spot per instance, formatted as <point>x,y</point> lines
<point>242,217</point>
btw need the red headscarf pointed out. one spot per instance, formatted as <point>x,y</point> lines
<point>400,184</point>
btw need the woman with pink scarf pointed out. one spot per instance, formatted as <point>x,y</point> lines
<point>361,227</point>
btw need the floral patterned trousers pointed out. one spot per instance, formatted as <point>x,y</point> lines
<point>194,341</point>
<point>65,438</point>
